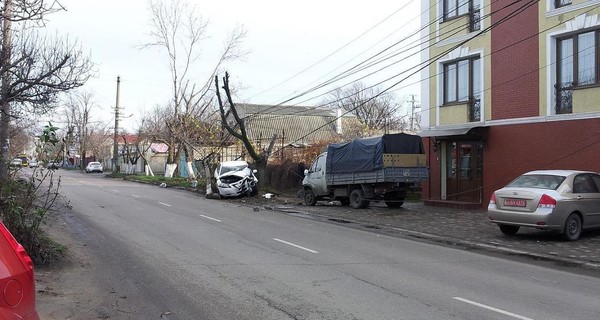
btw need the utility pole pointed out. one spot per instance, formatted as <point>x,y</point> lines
<point>84,132</point>
<point>412,113</point>
<point>5,104</point>
<point>115,158</point>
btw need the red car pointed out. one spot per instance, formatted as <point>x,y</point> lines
<point>17,283</point>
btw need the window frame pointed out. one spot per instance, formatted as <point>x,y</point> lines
<point>456,87</point>
<point>575,57</point>
<point>456,14</point>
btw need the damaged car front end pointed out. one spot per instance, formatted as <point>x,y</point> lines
<point>235,178</point>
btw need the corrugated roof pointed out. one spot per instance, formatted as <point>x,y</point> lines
<point>245,109</point>
<point>296,124</point>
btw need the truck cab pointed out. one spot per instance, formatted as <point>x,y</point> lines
<point>314,182</point>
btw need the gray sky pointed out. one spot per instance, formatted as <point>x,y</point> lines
<point>292,46</point>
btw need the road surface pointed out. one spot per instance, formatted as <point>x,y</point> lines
<point>176,255</point>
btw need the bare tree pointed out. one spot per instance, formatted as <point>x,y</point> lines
<point>377,112</point>
<point>34,70</point>
<point>77,113</point>
<point>179,30</point>
<point>20,135</point>
<point>238,128</point>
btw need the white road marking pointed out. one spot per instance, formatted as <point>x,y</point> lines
<point>295,245</point>
<point>209,218</point>
<point>477,304</point>
<point>164,204</point>
<point>135,196</point>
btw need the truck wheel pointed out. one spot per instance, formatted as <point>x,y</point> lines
<point>344,201</point>
<point>309,197</point>
<point>357,200</point>
<point>394,204</point>
<point>394,199</point>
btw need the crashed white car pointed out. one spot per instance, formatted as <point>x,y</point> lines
<point>235,178</point>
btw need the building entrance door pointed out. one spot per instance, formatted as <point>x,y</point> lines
<point>464,171</point>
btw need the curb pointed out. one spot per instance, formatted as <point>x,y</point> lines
<point>444,239</point>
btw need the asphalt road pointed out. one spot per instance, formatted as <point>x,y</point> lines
<point>176,255</point>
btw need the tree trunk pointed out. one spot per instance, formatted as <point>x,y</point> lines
<point>5,57</point>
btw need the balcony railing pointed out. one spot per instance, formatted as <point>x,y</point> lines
<point>474,109</point>
<point>474,19</point>
<point>563,93</point>
<point>561,3</point>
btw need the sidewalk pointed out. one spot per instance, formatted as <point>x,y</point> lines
<point>467,228</point>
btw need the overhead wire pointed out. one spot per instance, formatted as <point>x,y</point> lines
<point>448,33</point>
<point>443,53</point>
<point>335,51</point>
<point>416,66</point>
<point>366,50</point>
<point>527,5</point>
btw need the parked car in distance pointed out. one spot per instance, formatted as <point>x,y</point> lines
<point>94,167</point>
<point>33,163</point>
<point>16,162</point>
<point>17,280</point>
<point>52,165</point>
<point>235,178</point>
<point>567,201</point>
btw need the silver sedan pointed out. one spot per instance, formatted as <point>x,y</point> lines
<point>567,201</point>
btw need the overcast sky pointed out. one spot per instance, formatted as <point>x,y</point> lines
<point>291,46</point>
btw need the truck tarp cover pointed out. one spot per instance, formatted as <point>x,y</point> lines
<point>366,154</point>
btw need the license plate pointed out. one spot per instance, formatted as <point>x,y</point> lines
<point>515,203</point>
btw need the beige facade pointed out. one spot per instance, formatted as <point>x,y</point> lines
<point>538,93</point>
<point>452,40</point>
<point>575,18</point>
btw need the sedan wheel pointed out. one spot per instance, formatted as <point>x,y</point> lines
<point>572,227</point>
<point>509,230</point>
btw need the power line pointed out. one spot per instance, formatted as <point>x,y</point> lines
<point>445,52</point>
<point>422,65</point>
<point>335,51</point>
<point>450,32</point>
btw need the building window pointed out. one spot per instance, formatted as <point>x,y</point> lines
<point>462,84</point>
<point>455,8</point>
<point>561,3</point>
<point>461,80</point>
<point>577,66</point>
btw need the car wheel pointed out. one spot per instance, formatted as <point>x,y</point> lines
<point>357,200</point>
<point>509,230</point>
<point>572,227</point>
<point>309,197</point>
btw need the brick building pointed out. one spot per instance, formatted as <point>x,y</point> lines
<point>510,87</point>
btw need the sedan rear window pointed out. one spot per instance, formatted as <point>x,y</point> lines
<point>540,181</point>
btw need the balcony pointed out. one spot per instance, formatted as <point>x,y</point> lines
<point>474,109</point>
<point>563,95</point>
<point>561,3</point>
<point>462,112</point>
<point>474,19</point>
